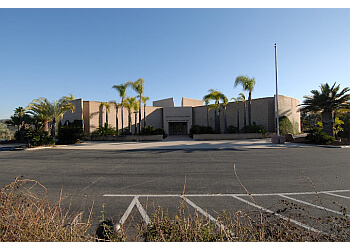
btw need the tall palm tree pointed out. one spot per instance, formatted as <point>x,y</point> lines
<point>50,112</point>
<point>242,99</point>
<point>224,105</point>
<point>236,101</point>
<point>215,96</point>
<point>138,87</point>
<point>107,106</point>
<point>116,105</point>
<point>206,104</point>
<point>248,85</point>
<point>122,93</point>
<point>328,101</point>
<point>144,100</point>
<point>131,104</point>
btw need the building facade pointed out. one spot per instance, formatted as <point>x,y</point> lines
<point>178,120</point>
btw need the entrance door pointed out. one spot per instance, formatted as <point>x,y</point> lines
<point>177,128</point>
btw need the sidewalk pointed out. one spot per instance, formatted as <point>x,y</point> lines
<point>172,144</point>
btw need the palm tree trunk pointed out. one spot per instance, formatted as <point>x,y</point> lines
<point>327,120</point>
<point>130,122</point>
<point>136,123</point>
<point>207,116</point>
<point>107,117</point>
<point>250,108</point>
<point>53,130</point>
<point>144,115</point>
<point>122,120</point>
<point>140,106</point>
<point>238,119</point>
<point>225,121</point>
<point>245,115</point>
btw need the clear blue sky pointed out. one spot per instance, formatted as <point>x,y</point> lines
<point>179,52</point>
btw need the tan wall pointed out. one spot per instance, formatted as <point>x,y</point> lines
<point>263,113</point>
<point>187,102</point>
<point>77,114</point>
<point>169,102</point>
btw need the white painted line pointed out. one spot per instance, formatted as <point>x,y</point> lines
<point>310,204</point>
<point>279,215</point>
<point>142,211</point>
<point>128,211</point>
<point>222,227</point>
<point>337,195</point>
<point>219,195</point>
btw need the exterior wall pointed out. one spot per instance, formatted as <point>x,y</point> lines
<point>77,114</point>
<point>169,102</point>
<point>187,102</point>
<point>177,114</point>
<point>263,113</point>
<point>289,107</point>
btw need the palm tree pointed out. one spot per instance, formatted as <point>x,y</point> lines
<point>224,105</point>
<point>206,104</point>
<point>328,101</point>
<point>50,112</point>
<point>131,104</point>
<point>242,99</point>
<point>107,106</point>
<point>122,93</point>
<point>236,101</point>
<point>138,87</point>
<point>216,96</point>
<point>116,105</point>
<point>144,100</point>
<point>248,85</point>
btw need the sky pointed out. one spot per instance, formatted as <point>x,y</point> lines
<point>178,52</point>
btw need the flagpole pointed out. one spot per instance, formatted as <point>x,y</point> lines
<point>277,114</point>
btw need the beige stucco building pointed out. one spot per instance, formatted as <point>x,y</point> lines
<point>178,120</point>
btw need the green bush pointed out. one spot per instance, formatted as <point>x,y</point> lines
<point>286,126</point>
<point>318,136</point>
<point>104,131</point>
<point>199,129</point>
<point>36,136</point>
<point>232,130</point>
<point>148,130</point>
<point>254,129</point>
<point>71,133</point>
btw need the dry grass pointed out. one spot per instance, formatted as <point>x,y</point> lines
<point>27,216</point>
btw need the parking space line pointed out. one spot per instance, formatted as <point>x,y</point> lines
<point>222,227</point>
<point>134,202</point>
<point>337,195</point>
<point>279,215</point>
<point>310,204</point>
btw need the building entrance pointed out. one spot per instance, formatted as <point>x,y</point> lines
<point>177,128</point>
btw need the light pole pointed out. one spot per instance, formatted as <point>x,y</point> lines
<point>277,114</point>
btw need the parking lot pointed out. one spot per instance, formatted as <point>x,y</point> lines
<point>133,183</point>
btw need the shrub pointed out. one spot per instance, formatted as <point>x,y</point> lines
<point>148,130</point>
<point>232,130</point>
<point>318,136</point>
<point>199,129</point>
<point>286,126</point>
<point>254,129</point>
<point>71,133</point>
<point>36,136</point>
<point>104,131</point>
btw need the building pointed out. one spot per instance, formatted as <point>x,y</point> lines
<point>178,120</point>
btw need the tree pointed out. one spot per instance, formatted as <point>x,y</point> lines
<point>50,112</point>
<point>116,105</point>
<point>131,104</point>
<point>206,104</point>
<point>224,105</point>
<point>138,87</point>
<point>248,85</point>
<point>144,100</point>
<point>242,99</point>
<point>4,131</point>
<point>328,101</point>
<point>122,93</point>
<point>107,106</point>
<point>236,101</point>
<point>215,96</point>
